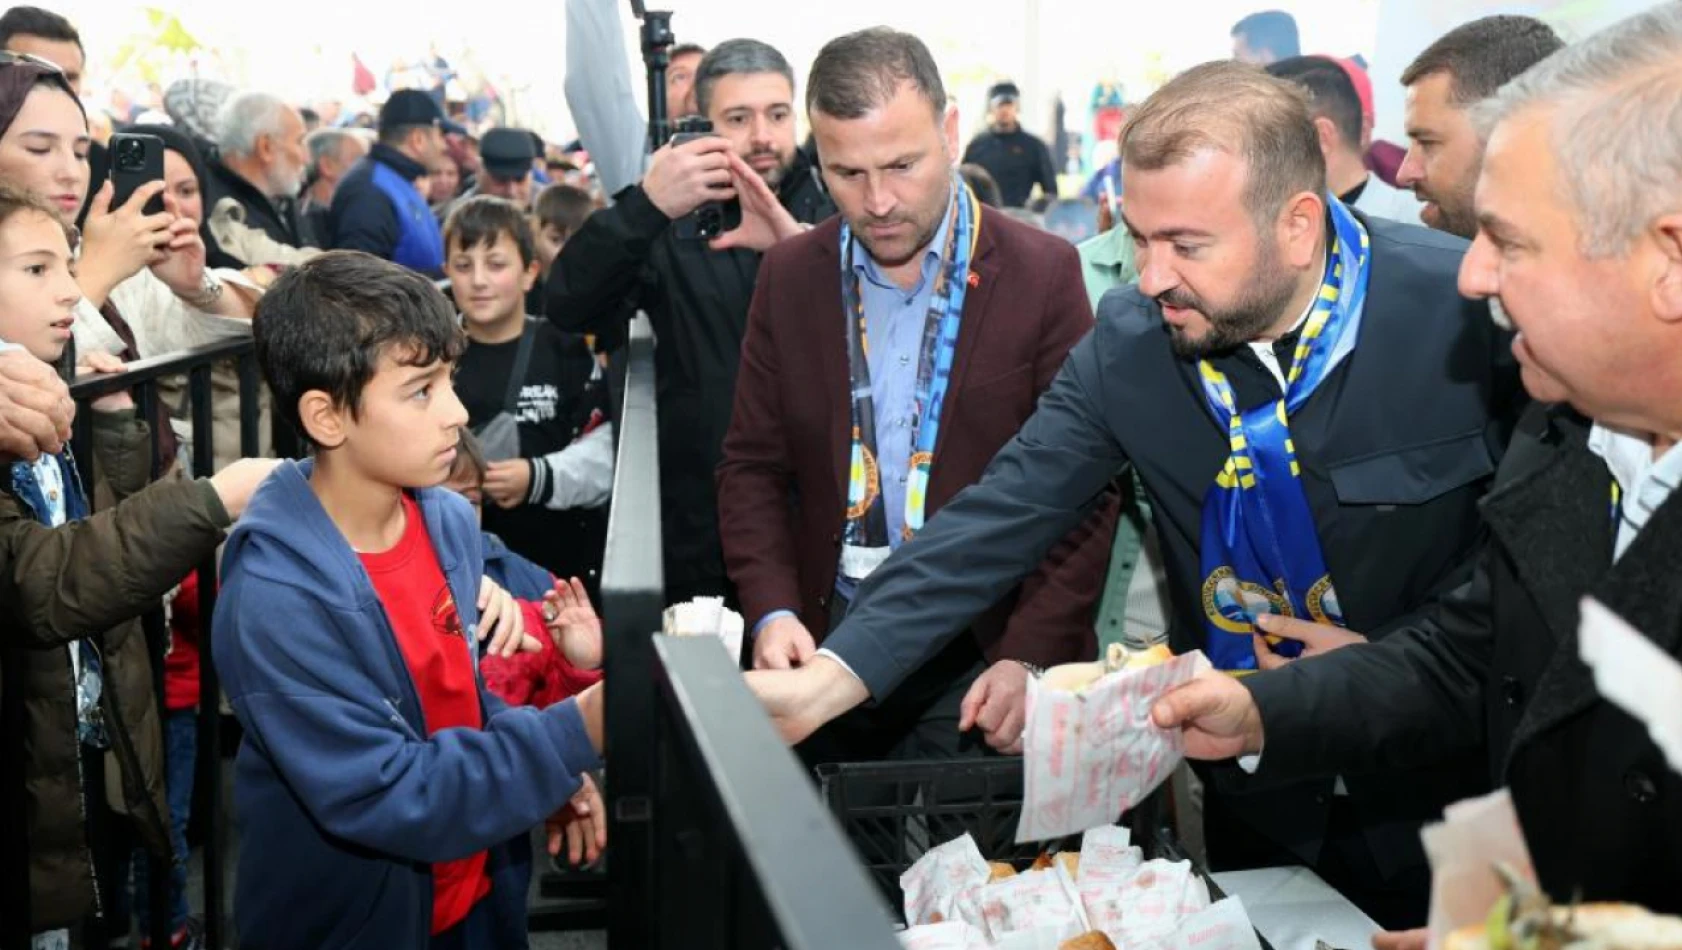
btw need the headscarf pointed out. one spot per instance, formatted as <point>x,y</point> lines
<point>18,77</point>
<point>182,144</point>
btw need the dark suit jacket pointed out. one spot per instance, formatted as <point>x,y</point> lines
<point>1396,448</point>
<point>1495,666</point>
<point>782,486</point>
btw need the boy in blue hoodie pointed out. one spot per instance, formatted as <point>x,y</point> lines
<point>383,796</point>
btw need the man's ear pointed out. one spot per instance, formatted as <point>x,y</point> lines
<point>1299,227</point>
<point>325,423</point>
<point>1667,289</point>
<point>949,128</point>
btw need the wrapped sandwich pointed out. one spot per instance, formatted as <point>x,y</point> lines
<point>1524,919</point>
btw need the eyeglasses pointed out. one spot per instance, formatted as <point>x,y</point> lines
<point>10,57</point>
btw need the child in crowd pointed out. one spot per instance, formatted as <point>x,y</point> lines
<point>74,586</point>
<point>561,210</point>
<point>570,662</point>
<point>383,796</point>
<point>535,396</point>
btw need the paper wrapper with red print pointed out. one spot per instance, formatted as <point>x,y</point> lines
<point>946,935</point>
<point>1224,925</point>
<point>1090,755</point>
<point>943,882</point>
<point>1033,901</point>
<point>1147,906</point>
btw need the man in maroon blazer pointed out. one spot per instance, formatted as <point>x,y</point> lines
<point>890,352</point>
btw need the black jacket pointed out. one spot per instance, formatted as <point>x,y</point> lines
<point>697,299</point>
<point>1495,666</point>
<point>277,221</point>
<point>1017,160</point>
<point>1396,447</point>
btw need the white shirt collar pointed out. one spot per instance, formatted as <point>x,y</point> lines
<point>1264,348</point>
<point>1645,483</point>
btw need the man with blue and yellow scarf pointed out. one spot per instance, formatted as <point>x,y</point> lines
<point>1314,412</point>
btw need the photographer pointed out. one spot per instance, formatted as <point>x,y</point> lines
<point>695,293</point>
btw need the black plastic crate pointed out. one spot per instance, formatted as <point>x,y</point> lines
<point>894,812</point>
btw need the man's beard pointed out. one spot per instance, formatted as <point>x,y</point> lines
<point>1456,217</point>
<point>286,186</point>
<point>1245,319</point>
<point>776,176</point>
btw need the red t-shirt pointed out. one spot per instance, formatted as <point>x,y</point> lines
<point>423,615</point>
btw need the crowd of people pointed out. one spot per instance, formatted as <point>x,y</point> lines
<point>1363,427</point>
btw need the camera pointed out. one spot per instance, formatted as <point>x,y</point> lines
<point>715,217</point>
<point>130,154</point>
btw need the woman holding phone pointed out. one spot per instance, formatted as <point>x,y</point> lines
<point>146,288</point>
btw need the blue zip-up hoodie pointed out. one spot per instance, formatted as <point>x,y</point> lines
<point>343,800</point>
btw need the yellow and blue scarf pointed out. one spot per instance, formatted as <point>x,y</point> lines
<point>865,544</point>
<point>1260,549</point>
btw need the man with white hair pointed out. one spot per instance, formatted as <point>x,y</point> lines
<point>261,167</point>
<point>1580,238</point>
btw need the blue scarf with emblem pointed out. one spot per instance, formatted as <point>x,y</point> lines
<point>865,543</point>
<point>1260,548</point>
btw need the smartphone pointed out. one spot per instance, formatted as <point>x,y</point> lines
<point>715,217</point>
<point>135,160</point>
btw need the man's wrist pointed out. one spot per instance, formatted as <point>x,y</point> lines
<point>770,616</point>
<point>837,689</point>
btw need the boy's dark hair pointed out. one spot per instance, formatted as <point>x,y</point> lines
<point>1485,54</point>
<point>325,324</point>
<point>482,219</point>
<point>470,459</point>
<point>565,208</point>
<point>34,21</point>
<point>1272,30</point>
<point>861,71</point>
<point>1331,93</point>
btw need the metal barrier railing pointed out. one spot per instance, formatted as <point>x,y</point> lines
<point>142,377</point>
<point>717,837</point>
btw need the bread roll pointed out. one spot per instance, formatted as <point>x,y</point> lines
<point>1071,862</point>
<point>1091,940</point>
<point>1000,870</point>
<point>1072,677</point>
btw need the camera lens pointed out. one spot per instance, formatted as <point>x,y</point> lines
<point>130,154</point>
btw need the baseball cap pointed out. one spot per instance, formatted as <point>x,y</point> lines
<point>1003,92</point>
<point>413,107</point>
